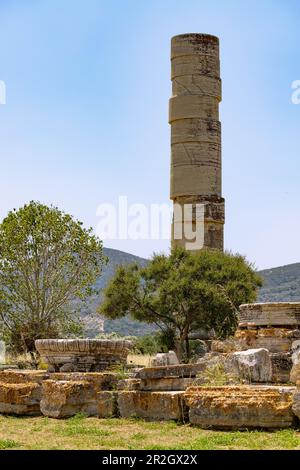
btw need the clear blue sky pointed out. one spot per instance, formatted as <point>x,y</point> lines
<point>88,84</point>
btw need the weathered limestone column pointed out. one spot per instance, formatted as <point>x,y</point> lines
<point>196,138</point>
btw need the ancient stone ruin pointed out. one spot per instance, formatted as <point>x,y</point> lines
<point>85,355</point>
<point>275,327</point>
<point>196,137</point>
<point>260,365</point>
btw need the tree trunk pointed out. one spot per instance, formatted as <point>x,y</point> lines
<point>185,346</point>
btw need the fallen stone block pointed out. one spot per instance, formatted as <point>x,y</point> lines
<point>281,367</point>
<point>240,407</point>
<point>167,384</point>
<point>253,365</point>
<point>20,398</point>
<point>61,399</point>
<point>180,370</point>
<point>152,406</point>
<point>165,359</point>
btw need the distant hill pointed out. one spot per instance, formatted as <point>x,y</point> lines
<point>95,323</point>
<point>280,284</point>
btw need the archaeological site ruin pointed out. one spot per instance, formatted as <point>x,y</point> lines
<point>260,364</point>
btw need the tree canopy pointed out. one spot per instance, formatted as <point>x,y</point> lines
<point>47,259</point>
<point>184,292</point>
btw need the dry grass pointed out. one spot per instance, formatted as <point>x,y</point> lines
<point>80,432</point>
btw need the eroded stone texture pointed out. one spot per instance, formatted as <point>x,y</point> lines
<point>153,406</point>
<point>270,314</point>
<point>196,136</point>
<point>167,384</point>
<point>20,398</point>
<point>273,339</point>
<point>62,399</point>
<point>14,376</point>
<point>211,359</point>
<point>226,346</point>
<point>100,380</point>
<point>165,359</point>
<point>238,407</point>
<point>180,370</point>
<point>281,367</point>
<point>295,370</point>
<point>129,384</point>
<point>295,373</point>
<point>20,391</point>
<point>85,355</point>
<point>296,401</point>
<point>253,365</point>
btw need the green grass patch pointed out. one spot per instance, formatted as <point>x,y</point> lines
<point>8,444</point>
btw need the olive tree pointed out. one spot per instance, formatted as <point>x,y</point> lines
<point>183,292</point>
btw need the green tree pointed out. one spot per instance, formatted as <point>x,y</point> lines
<point>183,292</point>
<point>47,260</point>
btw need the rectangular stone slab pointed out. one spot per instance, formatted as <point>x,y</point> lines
<point>274,339</point>
<point>281,366</point>
<point>17,376</point>
<point>20,398</point>
<point>61,399</point>
<point>270,314</point>
<point>167,384</point>
<point>153,406</point>
<point>180,370</point>
<point>240,407</point>
<point>101,380</point>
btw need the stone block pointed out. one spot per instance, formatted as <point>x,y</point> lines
<point>226,346</point>
<point>180,370</point>
<point>20,398</point>
<point>129,384</point>
<point>83,355</point>
<point>295,373</point>
<point>273,339</point>
<point>152,406</point>
<point>167,384</point>
<point>269,314</point>
<point>165,359</point>
<point>240,407</point>
<point>296,402</point>
<point>253,365</point>
<point>211,359</point>
<point>281,367</point>
<point>61,399</point>
<point>100,380</point>
<point>16,376</point>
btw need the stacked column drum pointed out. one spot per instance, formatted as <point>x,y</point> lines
<point>196,134</point>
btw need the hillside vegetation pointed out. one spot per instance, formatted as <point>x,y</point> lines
<point>280,284</point>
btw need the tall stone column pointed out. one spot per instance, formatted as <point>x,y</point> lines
<point>196,138</point>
